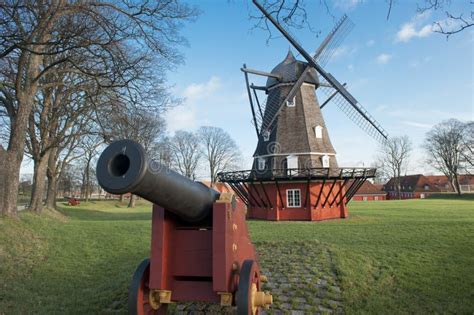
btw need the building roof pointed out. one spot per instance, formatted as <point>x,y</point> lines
<point>412,183</point>
<point>290,70</point>
<point>443,182</point>
<point>368,188</point>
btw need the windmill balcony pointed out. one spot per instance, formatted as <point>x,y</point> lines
<point>311,194</point>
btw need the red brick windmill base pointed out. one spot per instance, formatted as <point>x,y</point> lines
<point>323,193</point>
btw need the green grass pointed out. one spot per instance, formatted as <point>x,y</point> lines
<point>414,256</point>
<point>81,263</point>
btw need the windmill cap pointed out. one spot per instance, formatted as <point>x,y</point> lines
<point>290,70</point>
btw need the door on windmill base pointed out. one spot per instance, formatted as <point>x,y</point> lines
<point>292,165</point>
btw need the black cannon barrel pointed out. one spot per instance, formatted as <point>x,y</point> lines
<point>123,167</point>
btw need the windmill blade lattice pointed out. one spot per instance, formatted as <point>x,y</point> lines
<point>324,53</point>
<point>275,102</point>
<point>334,39</point>
<point>353,111</point>
<point>370,125</point>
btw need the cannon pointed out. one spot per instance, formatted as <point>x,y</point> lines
<point>200,248</point>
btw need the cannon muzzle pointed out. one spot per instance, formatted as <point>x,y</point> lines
<point>124,168</point>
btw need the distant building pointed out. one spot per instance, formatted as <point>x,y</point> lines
<point>370,192</point>
<point>411,186</point>
<point>466,183</point>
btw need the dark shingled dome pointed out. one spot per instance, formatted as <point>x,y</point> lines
<point>290,70</point>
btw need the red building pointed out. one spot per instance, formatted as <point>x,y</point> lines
<point>420,186</point>
<point>370,192</point>
<point>466,183</point>
<point>411,187</point>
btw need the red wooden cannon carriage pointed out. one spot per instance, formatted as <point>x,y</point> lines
<point>200,247</point>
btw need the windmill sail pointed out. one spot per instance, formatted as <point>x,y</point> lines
<point>332,42</point>
<point>324,53</point>
<point>357,113</point>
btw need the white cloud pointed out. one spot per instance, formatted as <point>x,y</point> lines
<point>182,117</point>
<point>383,58</point>
<point>185,116</point>
<point>197,91</point>
<point>350,67</point>
<point>381,108</point>
<point>370,43</point>
<point>340,51</point>
<point>347,4</point>
<point>410,30</point>
<point>416,124</point>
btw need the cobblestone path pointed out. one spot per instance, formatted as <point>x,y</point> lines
<point>301,276</point>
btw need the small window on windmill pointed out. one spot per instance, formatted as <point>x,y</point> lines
<point>266,135</point>
<point>325,161</point>
<point>291,102</point>
<point>292,162</point>
<point>293,198</point>
<point>318,131</point>
<point>427,187</point>
<point>261,164</point>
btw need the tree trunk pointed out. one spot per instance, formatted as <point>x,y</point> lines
<point>11,182</point>
<point>39,178</point>
<point>28,66</point>
<point>456,184</point>
<point>51,192</point>
<point>2,176</point>
<point>121,198</point>
<point>87,188</point>
<point>52,181</point>
<point>132,202</point>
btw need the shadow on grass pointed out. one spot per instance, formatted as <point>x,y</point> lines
<point>96,215</point>
<point>452,196</point>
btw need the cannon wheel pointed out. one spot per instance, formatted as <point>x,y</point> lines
<point>249,283</point>
<point>138,295</point>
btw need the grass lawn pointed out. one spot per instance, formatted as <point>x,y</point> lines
<point>414,256</point>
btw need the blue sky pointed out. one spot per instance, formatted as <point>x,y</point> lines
<point>406,76</point>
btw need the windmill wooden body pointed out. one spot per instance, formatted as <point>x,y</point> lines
<point>295,174</point>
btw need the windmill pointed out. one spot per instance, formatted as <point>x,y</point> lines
<point>295,174</point>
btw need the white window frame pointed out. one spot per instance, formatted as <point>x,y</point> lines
<point>292,161</point>
<point>376,197</point>
<point>318,132</point>
<point>261,164</point>
<point>325,161</point>
<point>292,102</point>
<point>293,193</point>
<point>364,198</point>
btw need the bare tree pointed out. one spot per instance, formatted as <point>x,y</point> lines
<point>455,22</point>
<point>467,152</point>
<point>293,14</point>
<point>135,124</point>
<point>60,159</point>
<point>220,150</point>
<point>393,158</point>
<point>90,146</point>
<point>185,153</point>
<point>289,13</point>
<point>444,145</point>
<point>118,38</point>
